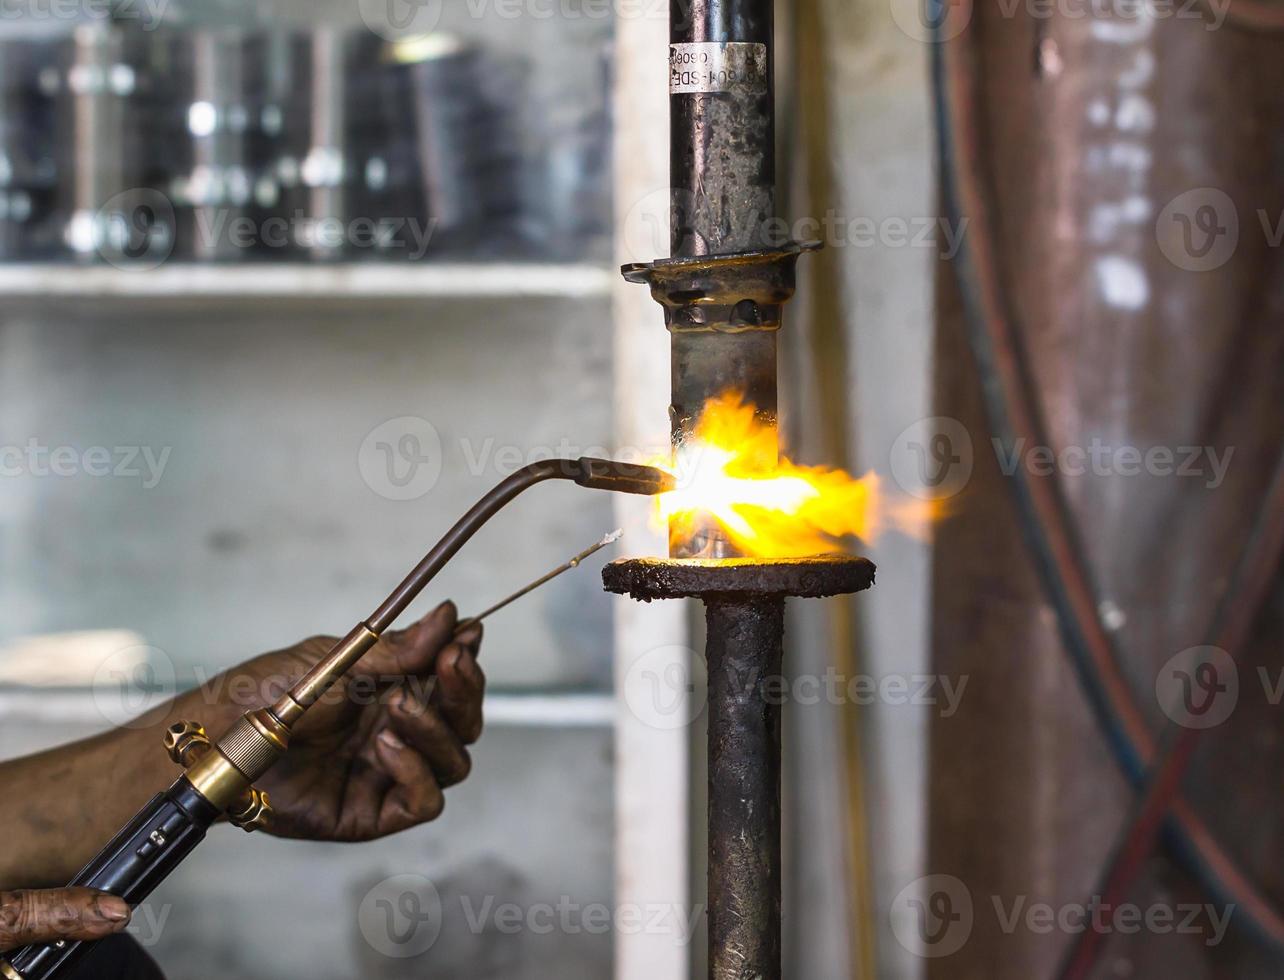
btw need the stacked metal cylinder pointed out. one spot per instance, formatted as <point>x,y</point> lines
<point>124,145</point>
<point>29,175</point>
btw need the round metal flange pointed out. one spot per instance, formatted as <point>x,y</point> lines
<point>728,293</point>
<point>702,578</point>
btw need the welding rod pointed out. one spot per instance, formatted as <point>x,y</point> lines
<point>611,538</point>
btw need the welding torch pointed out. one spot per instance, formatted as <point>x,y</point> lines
<point>219,778</point>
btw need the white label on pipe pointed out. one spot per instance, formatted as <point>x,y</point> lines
<point>716,66</point>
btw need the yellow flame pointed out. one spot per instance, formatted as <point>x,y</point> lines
<point>773,508</point>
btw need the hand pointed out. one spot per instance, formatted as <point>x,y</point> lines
<point>34,917</point>
<point>374,755</point>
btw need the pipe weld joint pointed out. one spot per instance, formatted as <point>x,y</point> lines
<point>734,293</point>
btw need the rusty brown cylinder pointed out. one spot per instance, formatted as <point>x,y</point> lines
<point>1109,144</point>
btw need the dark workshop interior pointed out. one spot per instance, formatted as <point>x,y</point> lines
<point>642,489</point>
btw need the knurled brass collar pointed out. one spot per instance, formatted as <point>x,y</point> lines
<point>252,746</point>
<point>270,728</point>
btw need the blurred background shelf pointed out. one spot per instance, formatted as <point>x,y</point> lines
<point>83,707</point>
<point>307,281</point>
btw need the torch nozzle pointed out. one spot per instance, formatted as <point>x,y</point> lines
<point>608,474</point>
<point>596,474</point>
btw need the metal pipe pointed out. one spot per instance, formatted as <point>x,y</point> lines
<point>745,650</point>
<point>722,140</point>
<point>324,166</point>
<point>723,290</point>
<point>97,137</point>
<point>745,609</point>
<point>722,175</point>
<point>219,185</point>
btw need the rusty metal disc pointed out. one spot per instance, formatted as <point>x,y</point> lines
<point>699,578</point>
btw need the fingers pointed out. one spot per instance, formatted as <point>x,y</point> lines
<point>461,687</point>
<point>422,750</point>
<point>430,648</point>
<point>419,748</point>
<point>410,651</point>
<point>368,784</point>
<point>28,917</point>
<point>416,796</point>
<point>470,636</point>
<point>422,727</point>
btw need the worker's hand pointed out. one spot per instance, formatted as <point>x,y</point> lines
<point>35,917</point>
<point>373,756</point>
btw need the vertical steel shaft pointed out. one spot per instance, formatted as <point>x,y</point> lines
<point>722,141</point>
<point>722,177</point>
<point>745,615</point>
<point>745,645</point>
<point>723,328</point>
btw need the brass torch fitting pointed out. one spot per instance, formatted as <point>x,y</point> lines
<point>216,779</point>
<point>312,687</point>
<point>255,743</point>
<point>251,747</point>
<point>225,774</point>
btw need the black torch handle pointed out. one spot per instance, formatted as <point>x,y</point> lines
<point>138,859</point>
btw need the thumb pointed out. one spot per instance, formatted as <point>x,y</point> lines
<point>29,917</point>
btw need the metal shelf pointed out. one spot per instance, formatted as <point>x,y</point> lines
<point>307,282</point>
<point>560,710</point>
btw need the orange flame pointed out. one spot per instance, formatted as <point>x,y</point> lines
<point>769,508</point>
